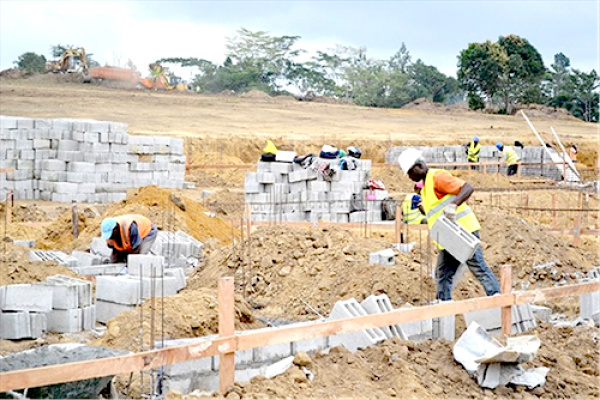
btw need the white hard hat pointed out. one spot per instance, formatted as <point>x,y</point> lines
<point>408,158</point>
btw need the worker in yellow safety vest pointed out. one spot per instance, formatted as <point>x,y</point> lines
<point>413,212</point>
<point>473,148</point>
<point>128,234</point>
<point>447,195</point>
<point>511,157</point>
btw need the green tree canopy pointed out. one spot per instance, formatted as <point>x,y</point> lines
<point>31,62</point>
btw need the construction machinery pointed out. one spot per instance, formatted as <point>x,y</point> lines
<point>72,60</point>
<point>159,78</point>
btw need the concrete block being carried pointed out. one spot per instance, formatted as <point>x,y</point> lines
<point>455,239</point>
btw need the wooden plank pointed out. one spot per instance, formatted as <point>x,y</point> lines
<point>506,288</point>
<point>262,337</point>
<point>144,361</point>
<point>226,328</point>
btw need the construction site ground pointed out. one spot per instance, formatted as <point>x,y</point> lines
<point>296,274</point>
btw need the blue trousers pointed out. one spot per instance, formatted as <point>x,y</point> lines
<point>447,266</point>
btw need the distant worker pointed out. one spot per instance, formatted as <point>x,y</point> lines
<point>128,234</point>
<point>445,194</point>
<point>511,157</point>
<point>573,153</point>
<point>413,212</point>
<point>269,152</point>
<point>473,148</point>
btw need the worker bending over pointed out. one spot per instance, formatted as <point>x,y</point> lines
<point>413,212</point>
<point>511,157</point>
<point>447,195</point>
<point>128,234</point>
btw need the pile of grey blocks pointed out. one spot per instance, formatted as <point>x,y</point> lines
<point>456,154</point>
<point>522,318</point>
<point>83,160</point>
<point>147,276</point>
<point>179,249</point>
<point>61,304</point>
<point>285,191</point>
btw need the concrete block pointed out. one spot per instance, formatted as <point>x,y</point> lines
<point>265,177</point>
<point>65,321</point>
<point>64,296</point>
<point>198,366</point>
<point>85,259</point>
<point>8,122</point>
<point>68,145</point>
<point>26,297</point>
<point>54,165</point>
<point>386,257</point>
<point>244,375</point>
<point>381,304</point>
<point>106,310</point>
<point>417,330</point>
<point>281,168</point>
<point>278,367</point>
<point>88,317</point>
<point>103,269</point>
<point>541,313</point>
<point>285,156</point>
<point>455,239</point>
<point>444,327</point>
<point>81,167</point>
<point>354,340</point>
<point>38,323</point>
<point>179,275</point>
<point>319,186</point>
<point>118,289</point>
<point>145,265</point>
<point>589,304</point>
<point>254,187</point>
<point>272,352</point>
<point>15,325</point>
<point>100,247</point>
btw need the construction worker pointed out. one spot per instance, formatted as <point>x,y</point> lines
<point>511,158</point>
<point>447,195</point>
<point>413,212</point>
<point>473,148</point>
<point>573,153</point>
<point>128,234</point>
<point>269,152</point>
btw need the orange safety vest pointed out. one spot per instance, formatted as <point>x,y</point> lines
<point>144,227</point>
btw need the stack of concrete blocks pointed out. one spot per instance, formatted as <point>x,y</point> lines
<point>282,191</point>
<point>522,319</point>
<point>156,160</point>
<point>179,249</point>
<point>61,304</point>
<point>72,306</point>
<point>147,277</point>
<point>456,154</point>
<point>385,257</point>
<point>24,311</point>
<point>83,160</point>
<point>353,340</point>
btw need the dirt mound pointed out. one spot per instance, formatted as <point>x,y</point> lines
<point>255,94</point>
<point>15,266</point>
<point>227,203</point>
<point>188,314</point>
<point>294,271</point>
<point>424,104</point>
<point>152,202</point>
<point>14,73</point>
<point>427,370</point>
<point>539,110</point>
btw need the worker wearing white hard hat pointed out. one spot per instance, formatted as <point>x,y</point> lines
<point>446,194</point>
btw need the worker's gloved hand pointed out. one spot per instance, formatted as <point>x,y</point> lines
<point>450,212</point>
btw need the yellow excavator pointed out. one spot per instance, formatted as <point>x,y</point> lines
<point>159,79</point>
<point>71,60</point>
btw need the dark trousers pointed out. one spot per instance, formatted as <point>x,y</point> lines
<point>512,169</point>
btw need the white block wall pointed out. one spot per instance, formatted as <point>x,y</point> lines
<point>287,192</point>
<point>83,160</point>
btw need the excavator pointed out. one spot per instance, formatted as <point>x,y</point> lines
<point>73,60</point>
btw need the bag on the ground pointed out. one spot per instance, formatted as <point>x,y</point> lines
<point>388,209</point>
<point>325,171</point>
<point>305,161</point>
<point>348,164</point>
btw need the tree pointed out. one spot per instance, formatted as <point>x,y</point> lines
<point>401,60</point>
<point>31,62</point>
<point>427,81</point>
<point>585,97</point>
<point>480,68</point>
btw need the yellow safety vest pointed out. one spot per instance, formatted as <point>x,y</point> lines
<point>473,152</point>
<point>511,156</point>
<point>434,206</point>
<point>409,215</point>
<point>270,148</point>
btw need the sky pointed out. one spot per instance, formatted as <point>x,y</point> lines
<point>433,31</point>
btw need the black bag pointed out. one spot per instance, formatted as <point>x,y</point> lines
<point>267,157</point>
<point>388,209</point>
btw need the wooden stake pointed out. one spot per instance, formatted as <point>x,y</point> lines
<point>506,288</point>
<point>554,211</point>
<point>397,225</point>
<point>10,200</point>
<point>226,328</point>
